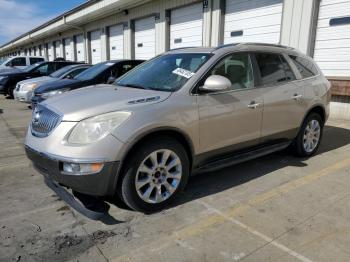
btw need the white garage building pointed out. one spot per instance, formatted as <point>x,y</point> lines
<point>99,30</point>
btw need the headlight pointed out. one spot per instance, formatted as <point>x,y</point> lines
<point>28,87</point>
<point>95,128</point>
<point>53,93</point>
<point>3,78</point>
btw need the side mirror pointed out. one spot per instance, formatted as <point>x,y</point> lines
<point>69,77</point>
<point>9,64</point>
<point>216,83</point>
<point>111,80</point>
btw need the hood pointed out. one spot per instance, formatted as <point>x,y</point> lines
<point>11,72</point>
<point>56,84</point>
<point>6,69</point>
<point>95,100</point>
<point>37,80</point>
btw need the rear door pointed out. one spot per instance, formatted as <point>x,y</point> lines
<point>283,98</point>
<point>231,120</point>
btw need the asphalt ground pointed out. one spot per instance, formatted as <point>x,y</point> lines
<point>275,208</point>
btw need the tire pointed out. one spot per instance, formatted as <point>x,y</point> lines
<point>300,146</point>
<point>10,92</point>
<point>161,186</point>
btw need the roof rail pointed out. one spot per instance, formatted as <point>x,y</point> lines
<point>185,47</point>
<point>226,45</point>
<point>252,43</point>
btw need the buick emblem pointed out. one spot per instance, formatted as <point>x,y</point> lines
<point>36,116</point>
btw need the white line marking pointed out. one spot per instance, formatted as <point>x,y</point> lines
<point>257,233</point>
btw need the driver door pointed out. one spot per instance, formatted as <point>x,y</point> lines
<point>231,120</point>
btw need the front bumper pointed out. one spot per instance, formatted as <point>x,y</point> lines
<point>99,184</point>
<point>23,96</point>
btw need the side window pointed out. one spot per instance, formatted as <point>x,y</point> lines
<point>34,60</point>
<point>43,69</point>
<point>52,68</point>
<point>305,66</point>
<point>19,61</point>
<point>238,69</point>
<point>289,73</point>
<point>125,68</point>
<point>76,72</point>
<point>272,70</point>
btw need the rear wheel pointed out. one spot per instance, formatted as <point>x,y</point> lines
<point>155,174</point>
<point>309,137</point>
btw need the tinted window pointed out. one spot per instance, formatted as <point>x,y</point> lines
<point>238,69</point>
<point>94,71</point>
<point>34,60</point>
<point>61,72</point>
<point>43,69</point>
<point>272,70</point>
<point>289,73</point>
<point>19,61</point>
<point>76,72</point>
<point>304,66</point>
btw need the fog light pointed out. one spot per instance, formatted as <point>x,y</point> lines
<point>81,169</point>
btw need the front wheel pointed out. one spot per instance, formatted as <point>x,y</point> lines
<point>155,174</point>
<point>309,137</point>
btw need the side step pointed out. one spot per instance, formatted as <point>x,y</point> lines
<point>242,157</point>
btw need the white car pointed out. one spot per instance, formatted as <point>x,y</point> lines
<point>24,89</point>
<point>20,62</point>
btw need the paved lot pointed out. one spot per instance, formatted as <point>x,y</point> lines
<point>276,208</point>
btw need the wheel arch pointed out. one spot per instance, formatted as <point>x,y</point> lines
<point>171,132</point>
<point>319,109</point>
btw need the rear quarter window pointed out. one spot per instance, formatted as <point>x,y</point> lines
<point>305,66</point>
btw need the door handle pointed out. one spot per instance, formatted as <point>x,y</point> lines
<point>253,105</point>
<point>297,97</point>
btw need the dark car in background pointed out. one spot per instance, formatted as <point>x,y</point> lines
<point>24,89</point>
<point>9,80</point>
<point>101,73</point>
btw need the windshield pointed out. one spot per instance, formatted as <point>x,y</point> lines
<point>93,72</point>
<point>61,72</point>
<point>165,73</point>
<point>31,67</point>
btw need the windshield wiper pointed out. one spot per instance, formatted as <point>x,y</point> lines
<point>133,86</point>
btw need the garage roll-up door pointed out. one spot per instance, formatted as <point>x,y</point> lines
<point>253,21</point>
<point>79,42</point>
<point>68,50</point>
<point>50,52</point>
<point>58,49</point>
<point>145,38</point>
<point>116,42</point>
<point>332,45</point>
<point>186,26</point>
<point>95,41</point>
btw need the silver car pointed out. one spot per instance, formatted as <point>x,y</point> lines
<point>187,110</point>
<point>24,89</point>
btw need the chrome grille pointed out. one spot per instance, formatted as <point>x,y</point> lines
<point>44,121</point>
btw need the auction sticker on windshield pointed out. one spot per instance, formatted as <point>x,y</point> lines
<point>183,72</point>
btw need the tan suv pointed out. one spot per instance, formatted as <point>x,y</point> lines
<point>187,110</point>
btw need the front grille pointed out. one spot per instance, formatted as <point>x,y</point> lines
<point>44,121</point>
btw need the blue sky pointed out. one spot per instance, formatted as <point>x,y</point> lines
<point>19,16</point>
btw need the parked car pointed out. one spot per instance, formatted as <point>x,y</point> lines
<point>24,89</point>
<point>20,62</point>
<point>188,110</point>
<point>102,73</point>
<point>9,80</point>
